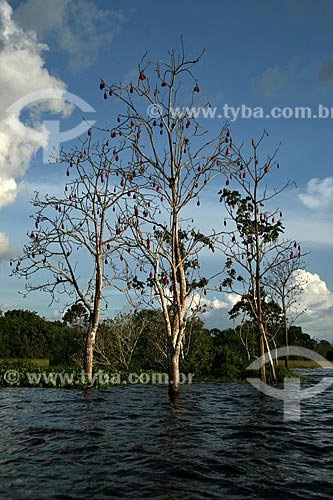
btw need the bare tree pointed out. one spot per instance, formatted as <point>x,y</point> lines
<point>172,163</point>
<point>254,246</point>
<point>74,249</point>
<point>285,283</point>
<point>118,339</point>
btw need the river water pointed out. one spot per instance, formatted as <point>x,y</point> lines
<point>223,441</point>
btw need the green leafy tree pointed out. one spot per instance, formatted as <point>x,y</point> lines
<point>24,334</point>
<point>271,311</point>
<point>151,350</point>
<point>253,245</point>
<point>77,317</point>
<point>230,359</point>
<point>199,351</point>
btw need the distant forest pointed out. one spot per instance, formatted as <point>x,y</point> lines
<point>136,341</point>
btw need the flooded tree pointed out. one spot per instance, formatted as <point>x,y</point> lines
<point>254,247</point>
<point>285,282</point>
<point>127,217</point>
<point>172,160</point>
<point>74,248</point>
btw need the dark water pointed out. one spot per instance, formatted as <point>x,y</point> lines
<point>219,441</point>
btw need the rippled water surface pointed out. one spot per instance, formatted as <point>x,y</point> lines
<point>219,441</point>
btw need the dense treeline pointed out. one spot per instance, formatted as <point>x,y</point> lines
<point>136,342</point>
<point>25,335</point>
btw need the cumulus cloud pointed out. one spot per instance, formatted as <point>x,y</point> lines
<point>216,310</point>
<point>77,27</point>
<point>21,56</point>
<point>318,195</point>
<point>316,296</point>
<point>6,249</point>
<point>317,299</point>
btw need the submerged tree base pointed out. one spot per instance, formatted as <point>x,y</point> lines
<point>173,394</point>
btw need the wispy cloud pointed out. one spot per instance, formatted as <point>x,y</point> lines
<point>318,195</point>
<point>78,27</point>
<point>280,82</point>
<point>308,213</point>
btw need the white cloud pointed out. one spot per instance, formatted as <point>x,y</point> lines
<point>216,315</point>
<point>6,249</point>
<point>78,27</point>
<point>230,300</point>
<point>317,300</point>
<point>20,56</point>
<point>318,195</point>
<point>57,315</point>
<point>316,296</point>
<point>8,189</point>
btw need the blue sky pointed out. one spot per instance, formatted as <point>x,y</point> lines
<point>258,54</point>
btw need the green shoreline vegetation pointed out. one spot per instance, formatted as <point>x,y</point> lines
<point>132,343</point>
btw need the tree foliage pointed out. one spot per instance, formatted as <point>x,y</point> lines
<point>254,246</point>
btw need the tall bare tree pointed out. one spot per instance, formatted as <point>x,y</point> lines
<point>172,163</point>
<point>285,283</point>
<point>74,248</point>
